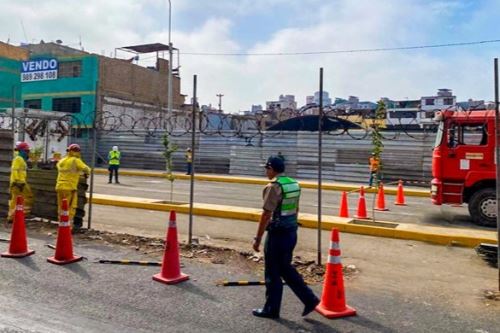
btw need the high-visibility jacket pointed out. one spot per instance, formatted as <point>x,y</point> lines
<point>189,157</point>
<point>69,170</point>
<point>114,157</point>
<point>18,173</point>
<point>374,164</point>
<point>286,214</point>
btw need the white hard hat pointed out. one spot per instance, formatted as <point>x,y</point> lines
<point>115,148</point>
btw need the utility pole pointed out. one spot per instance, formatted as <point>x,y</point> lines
<point>170,97</point>
<point>220,101</point>
<point>497,153</point>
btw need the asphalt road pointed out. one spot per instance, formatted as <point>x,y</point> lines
<point>87,297</point>
<point>418,210</point>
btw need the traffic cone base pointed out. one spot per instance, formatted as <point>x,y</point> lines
<point>53,260</point>
<point>182,277</point>
<point>381,209</point>
<point>400,204</point>
<point>348,311</point>
<point>17,255</point>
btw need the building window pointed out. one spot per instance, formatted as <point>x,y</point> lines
<point>70,69</point>
<point>403,114</point>
<point>448,101</point>
<point>68,105</point>
<point>33,104</point>
<point>429,101</point>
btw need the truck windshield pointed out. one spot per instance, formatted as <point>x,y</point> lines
<point>439,134</point>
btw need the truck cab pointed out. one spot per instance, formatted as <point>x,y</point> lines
<point>463,163</point>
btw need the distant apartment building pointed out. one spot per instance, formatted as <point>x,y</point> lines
<point>430,104</point>
<point>283,102</point>
<point>354,105</point>
<point>326,98</point>
<point>402,113</point>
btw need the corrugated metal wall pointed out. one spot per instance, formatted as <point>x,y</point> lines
<point>5,160</point>
<point>345,157</point>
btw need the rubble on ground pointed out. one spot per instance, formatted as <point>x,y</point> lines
<point>312,273</point>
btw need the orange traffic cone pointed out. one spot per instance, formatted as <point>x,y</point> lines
<point>381,198</point>
<point>64,246</point>
<point>362,214</point>
<point>344,209</point>
<point>332,303</point>
<point>170,267</point>
<point>400,197</point>
<point>18,246</point>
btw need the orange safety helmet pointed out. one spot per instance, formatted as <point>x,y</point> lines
<point>74,147</point>
<point>22,146</point>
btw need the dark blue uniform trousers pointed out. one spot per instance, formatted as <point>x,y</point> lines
<point>278,252</point>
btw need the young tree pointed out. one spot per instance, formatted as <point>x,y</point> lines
<point>169,150</point>
<point>377,144</point>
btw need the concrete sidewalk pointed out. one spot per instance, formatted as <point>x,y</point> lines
<point>348,187</point>
<point>431,234</point>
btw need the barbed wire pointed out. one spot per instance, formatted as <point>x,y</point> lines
<point>355,124</point>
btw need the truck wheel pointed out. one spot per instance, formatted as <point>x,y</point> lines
<point>483,207</point>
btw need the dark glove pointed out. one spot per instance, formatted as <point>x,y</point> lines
<point>20,186</point>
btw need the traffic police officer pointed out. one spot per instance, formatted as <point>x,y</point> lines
<point>279,218</point>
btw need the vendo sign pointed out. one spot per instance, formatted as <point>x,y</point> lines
<point>39,70</point>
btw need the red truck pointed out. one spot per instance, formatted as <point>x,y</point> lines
<point>463,163</point>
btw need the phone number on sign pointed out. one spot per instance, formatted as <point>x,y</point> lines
<point>38,76</point>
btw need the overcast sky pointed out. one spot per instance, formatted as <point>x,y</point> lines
<point>273,26</point>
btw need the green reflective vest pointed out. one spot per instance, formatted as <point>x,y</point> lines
<point>114,157</point>
<point>286,214</point>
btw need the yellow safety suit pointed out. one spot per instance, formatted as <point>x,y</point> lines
<point>19,186</point>
<point>69,169</point>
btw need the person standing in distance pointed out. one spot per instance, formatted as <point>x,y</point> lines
<point>114,157</point>
<point>279,218</point>
<point>189,161</point>
<point>374,163</point>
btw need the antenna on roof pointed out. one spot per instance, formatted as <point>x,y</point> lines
<point>24,32</point>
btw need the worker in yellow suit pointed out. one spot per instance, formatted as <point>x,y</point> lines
<point>69,170</point>
<point>18,180</point>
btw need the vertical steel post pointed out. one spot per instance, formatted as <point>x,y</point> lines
<point>320,158</point>
<point>13,117</point>
<point>191,188</point>
<point>94,153</point>
<point>497,153</point>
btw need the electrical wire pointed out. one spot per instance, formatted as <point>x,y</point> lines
<point>386,49</point>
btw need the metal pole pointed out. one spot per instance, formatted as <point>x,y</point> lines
<point>13,117</point>
<point>320,158</point>
<point>497,148</point>
<point>170,99</point>
<point>191,189</point>
<point>94,153</point>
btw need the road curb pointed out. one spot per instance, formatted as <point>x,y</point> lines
<point>430,234</point>
<point>389,190</point>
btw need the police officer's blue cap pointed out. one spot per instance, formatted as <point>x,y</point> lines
<point>276,163</point>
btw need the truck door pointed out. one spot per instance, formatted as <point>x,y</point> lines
<point>469,148</point>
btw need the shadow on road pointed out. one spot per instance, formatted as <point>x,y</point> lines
<point>188,286</point>
<point>372,325</point>
<point>78,270</point>
<point>28,262</point>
